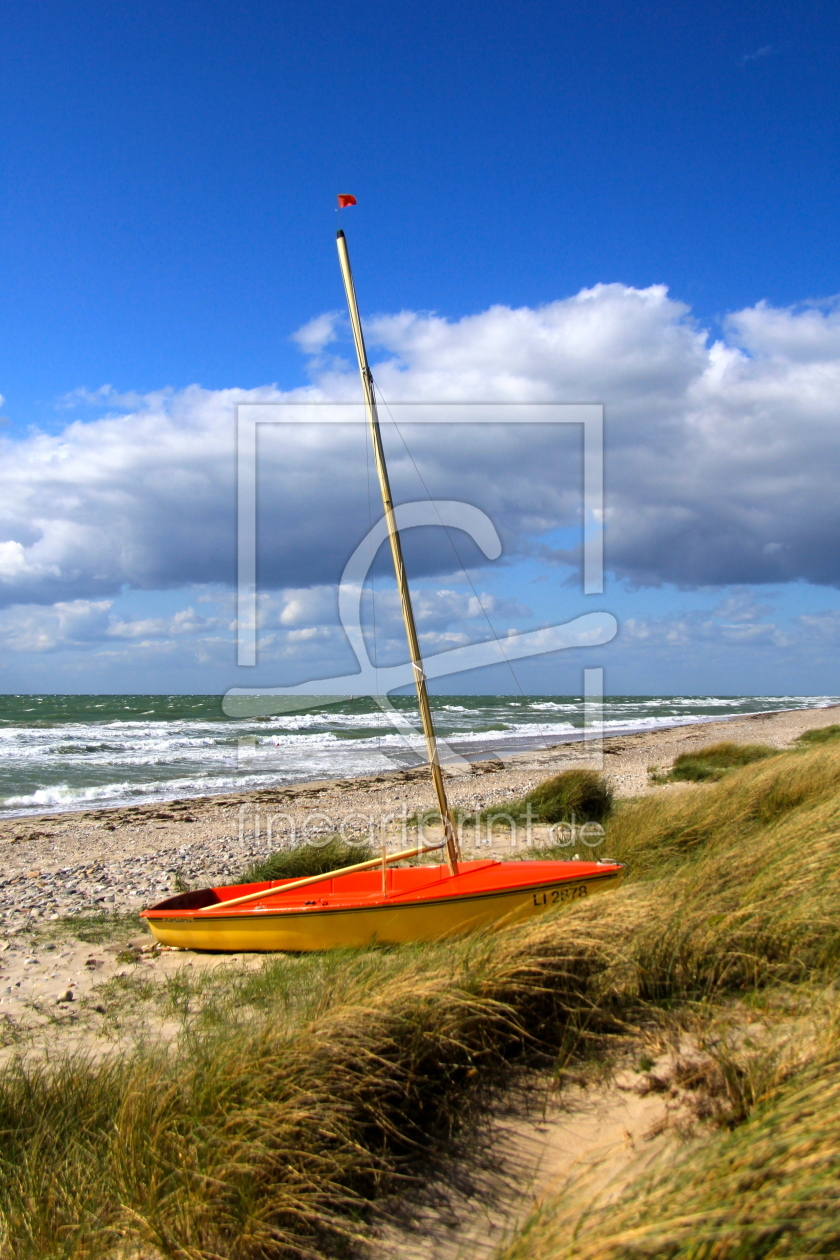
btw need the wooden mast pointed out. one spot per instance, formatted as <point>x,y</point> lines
<point>450,835</point>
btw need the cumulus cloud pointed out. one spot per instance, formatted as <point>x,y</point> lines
<point>809,334</point>
<point>34,628</point>
<point>186,621</point>
<point>739,620</point>
<point>445,616</point>
<point>144,499</point>
<point>318,333</point>
<point>300,607</point>
<point>720,457</point>
<point>720,453</point>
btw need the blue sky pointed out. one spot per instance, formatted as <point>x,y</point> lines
<point>166,221</point>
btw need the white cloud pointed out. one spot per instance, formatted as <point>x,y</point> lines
<point>107,396</point>
<point>822,627</point>
<point>93,626</point>
<point>446,617</point>
<point>807,334</point>
<point>307,633</point>
<point>721,458</point>
<point>720,454</point>
<point>695,629</point>
<point>144,499</point>
<point>187,621</point>
<point>12,559</point>
<point>439,608</point>
<point>65,624</point>
<point>318,333</point>
<point>299,607</point>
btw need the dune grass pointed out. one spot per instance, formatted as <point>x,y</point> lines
<point>572,796</point>
<point>266,1134</point>
<point>771,1187</point>
<point>707,765</point>
<point>820,735</point>
<point>308,859</point>
<point>582,795</point>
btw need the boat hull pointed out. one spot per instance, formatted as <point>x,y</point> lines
<point>339,921</point>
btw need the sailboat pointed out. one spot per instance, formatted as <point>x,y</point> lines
<point>376,901</point>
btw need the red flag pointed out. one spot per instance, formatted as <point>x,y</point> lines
<point>346,199</point>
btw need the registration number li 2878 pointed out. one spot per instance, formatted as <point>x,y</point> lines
<point>553,896</point>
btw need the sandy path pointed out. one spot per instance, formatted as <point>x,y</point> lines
<point>532,1144</point>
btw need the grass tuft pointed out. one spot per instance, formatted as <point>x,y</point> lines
<point>575,795</point>
<point>308,859</point>
<point>582,793</point>
<point>822,735</point>
<point>712,763</point>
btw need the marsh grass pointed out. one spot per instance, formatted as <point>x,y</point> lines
<point>313,1086</point>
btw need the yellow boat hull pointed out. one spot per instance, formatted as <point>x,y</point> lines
<point>321,928</point>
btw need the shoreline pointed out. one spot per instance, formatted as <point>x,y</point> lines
<point>533,748</point>
<point>121,858</point>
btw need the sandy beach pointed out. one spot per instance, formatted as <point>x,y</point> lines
<point>119,860</point>
<point>79,975</point>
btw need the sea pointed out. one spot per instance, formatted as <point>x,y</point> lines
<point>73,752</point>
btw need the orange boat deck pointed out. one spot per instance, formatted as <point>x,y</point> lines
<point>403,885</point>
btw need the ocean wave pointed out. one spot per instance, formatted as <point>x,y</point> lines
<point>96,757</point>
